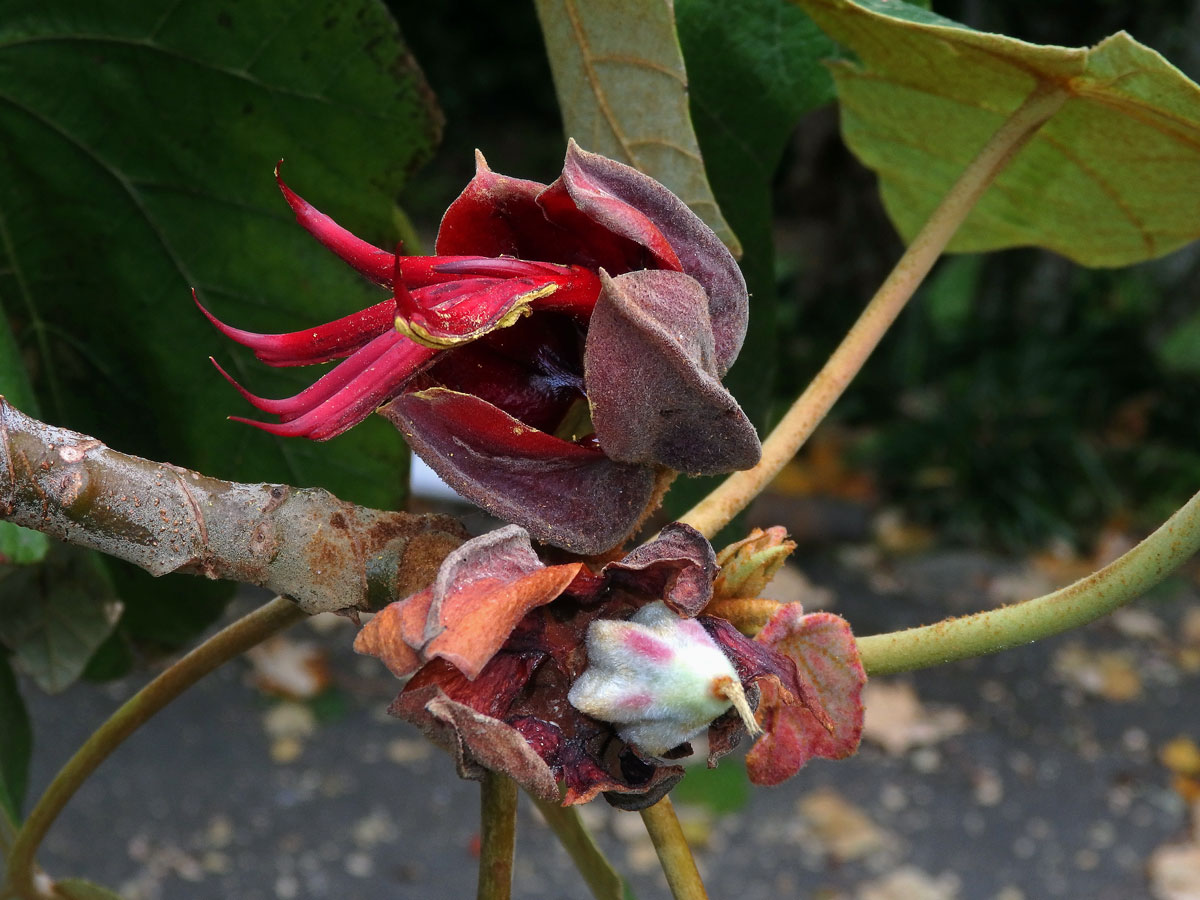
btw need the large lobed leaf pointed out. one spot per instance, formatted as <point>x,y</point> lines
<point>752,75</point>
<point>623,92</point>
<point>1109,180</point>
<point>137,142</point>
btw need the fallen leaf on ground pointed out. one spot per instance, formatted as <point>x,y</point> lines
<point>1061,564</point>
<point>897,536</point>
<point>897,720</point>
<point>297,670</point>
<point>288,725</point>
<point>1182,757</point>
<point>1174,869</point>
<point>822,470</point>
<point>791,585</point>
<point>1188,653</point>
<point>843,831</point>
<point>910,883</point>
<point>1102,673</point>
<point>1139,624</point>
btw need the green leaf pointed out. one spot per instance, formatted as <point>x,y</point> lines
<point>80,889</point>
<point>623,92</point>
<point>54,616</point>
<point>1108,181</point>
<point>166,612</point>
<point>16,745</point>
<point>949,295</point>
<point>725,789</point>
<point>21,546</point>
<point>137,143</point>
<point>1179,351</point>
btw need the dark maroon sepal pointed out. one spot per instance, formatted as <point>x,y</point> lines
<point>652,379</point>
<point>564,493</point>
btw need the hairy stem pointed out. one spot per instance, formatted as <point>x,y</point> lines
<point>223,646</point>
<point>498,836</point>
<point>601,878</point>
<point>716,510</point>
<point>673,852</point>
<point>1122,580</point>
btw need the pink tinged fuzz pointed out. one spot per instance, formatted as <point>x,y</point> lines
<point>651,648</point>
<point>653,654</point>
<point>637,702</point>
<point>368,259</point>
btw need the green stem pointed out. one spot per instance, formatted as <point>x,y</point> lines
<point>223,646</point>
<point>716,510</point>
<point>602,879</point>
<point>498,812</point>
<point>1122,580</point>
<point>673,852</point>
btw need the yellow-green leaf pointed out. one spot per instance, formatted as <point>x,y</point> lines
<point>622,88</point>
<point>1109,181</point>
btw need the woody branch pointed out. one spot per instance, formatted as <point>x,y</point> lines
<point>303,543</point>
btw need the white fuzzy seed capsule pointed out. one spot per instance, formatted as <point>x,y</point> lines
<point>657,676</point>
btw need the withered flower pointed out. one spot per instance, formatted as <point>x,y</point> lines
<point>498,654</point>
<point>564,345</point>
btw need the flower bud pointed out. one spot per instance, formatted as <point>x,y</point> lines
<point>661,679</point>
<point>748,565</point>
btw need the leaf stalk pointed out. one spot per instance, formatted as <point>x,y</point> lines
<point>498,836</point>
<point>223,646</point>
<point>598,873</point>
<point>716,510</point>
<point>1096,595</point>
<point>673,852</point>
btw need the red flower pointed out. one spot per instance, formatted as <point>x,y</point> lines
<point>566,342</point>
<point>495,645</point>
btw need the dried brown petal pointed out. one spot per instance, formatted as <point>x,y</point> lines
<point>678,566</point>
<point>483,589</point>
<point>477,742</point>
<point>826,657</point>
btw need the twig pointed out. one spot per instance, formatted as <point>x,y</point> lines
<point>601,878</point>
<point>181,675</point>
<point>306,544</point>
<point>716,510</point>
<point>1122,580</point>
<point>673,852</point>
<point>498,836</point>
